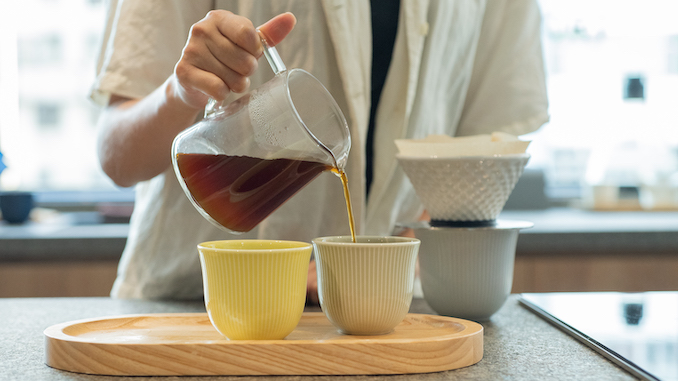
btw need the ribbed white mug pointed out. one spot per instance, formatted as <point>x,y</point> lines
<point>365,288</point>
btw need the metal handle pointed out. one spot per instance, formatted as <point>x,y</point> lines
<point>272,56</point>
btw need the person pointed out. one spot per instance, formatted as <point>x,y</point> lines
<point>455,67</point>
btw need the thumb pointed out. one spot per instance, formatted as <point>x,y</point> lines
<point>275,29</point>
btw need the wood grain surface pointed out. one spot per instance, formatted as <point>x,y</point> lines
<point>187,344</point>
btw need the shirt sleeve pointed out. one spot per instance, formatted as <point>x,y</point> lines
<point>143,40</point>
<point>507,91</point>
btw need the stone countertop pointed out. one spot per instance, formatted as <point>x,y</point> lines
<point>556,231</point>
<point>518,345</point>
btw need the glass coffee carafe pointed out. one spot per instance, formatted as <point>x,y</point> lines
<point>246,158</point>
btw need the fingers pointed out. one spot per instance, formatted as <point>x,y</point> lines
<point>277,28</point>
<point>222,52</point>
<point>241,42</point>
<point>194,86</point>
<point>218,57</point>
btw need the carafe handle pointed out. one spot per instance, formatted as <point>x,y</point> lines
<point>272,56</point>
<point>274,60</point>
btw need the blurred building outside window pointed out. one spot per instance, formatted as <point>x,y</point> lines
<point>48,51</point>
<point>601,140</point>
<point>612,80</point>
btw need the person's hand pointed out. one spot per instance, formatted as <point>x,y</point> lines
<point>221,53</point>
<point>312,285</point>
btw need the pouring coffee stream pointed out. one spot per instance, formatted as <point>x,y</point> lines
<point>245,159</point>
<point>278,66</point>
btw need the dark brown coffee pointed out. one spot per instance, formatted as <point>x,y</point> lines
<point>238,192</point>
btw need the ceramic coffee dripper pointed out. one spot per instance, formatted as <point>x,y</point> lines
<point>467,256</point>
<point>245,159</point>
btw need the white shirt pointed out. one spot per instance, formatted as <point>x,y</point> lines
<point>460,67</point>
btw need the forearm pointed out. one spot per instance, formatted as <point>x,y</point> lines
<point>135,135</point>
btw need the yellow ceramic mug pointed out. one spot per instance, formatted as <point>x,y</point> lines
<point>255,289</point>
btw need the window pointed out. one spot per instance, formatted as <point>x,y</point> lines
<point>41,50</point>
<point>612,80</point>
<point>48,52</point>
<point>597,53</point>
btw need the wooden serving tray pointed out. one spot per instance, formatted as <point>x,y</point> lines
<point>187,344</point>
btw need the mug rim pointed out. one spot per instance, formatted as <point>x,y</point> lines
<point>290,246</point>
<point>347,240</point>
